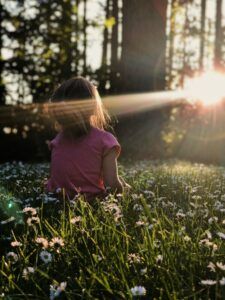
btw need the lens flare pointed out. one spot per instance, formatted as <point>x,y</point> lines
<point>208,88</point>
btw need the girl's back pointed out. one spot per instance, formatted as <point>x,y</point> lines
<point>76,165</point>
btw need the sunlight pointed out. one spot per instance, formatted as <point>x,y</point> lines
<point>208,88</point>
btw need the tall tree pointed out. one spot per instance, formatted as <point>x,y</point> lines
<point>103,76</point>
<point>143,45</point>
<point>2,86</point>
<point>114,47</point>
<point>85,23</point>
<point>66,46</point>
<point>202,33</point>
<point>218,36</point>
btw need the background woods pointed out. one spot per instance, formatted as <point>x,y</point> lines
<point>125,47</point>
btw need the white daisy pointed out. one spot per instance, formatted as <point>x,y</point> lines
<point>143,271</point>
<point>75,220</point>
<point>12,256</point>
<point>56,242</point>
<point>16,244</point>
<point>134,258</point>
<point>222,281</point>
<point>30,210</point>
<point>32,221</point>
<point>159,258</point>
<point>220,266</point>
<point>138,291</point>
<point>42,241</point>
<point>212,267</point>
<point>55,290</point>
<point>212,220</point>
<point>45,256</point>
<point>27,271</point>
<point>221,235</point>
<point>208,282</point>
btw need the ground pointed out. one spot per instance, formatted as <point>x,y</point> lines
<point>164,240</point>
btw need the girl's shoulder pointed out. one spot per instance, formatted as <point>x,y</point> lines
<point>103,134</point>
<point>107,139</point>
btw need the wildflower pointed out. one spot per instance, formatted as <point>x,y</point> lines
<point>55,290</point>
<point>159,258</point>
<point>143,271</point>
<point>16,244</point>
<point>180,214</point>
<point>220,266</point>
<point>212,220</point>
<point>209,234</point>
<point>33,220</point>
<point>140,223</point>
<point>212,267</point>
<point>137,207</point>
<point>134,258</point>
<point>42,241</point>
<point>222,281</point>
<point>138,291</point>
<point>30,210</point>
<point>12,256</point>
<point>75,220</point>
<point>221,235</point>
<point>97,257</point>
<point>45,256</point>
<point>27,271</point>
<point>187,238</point>
<point>56,242</point>
<point>208,282</point>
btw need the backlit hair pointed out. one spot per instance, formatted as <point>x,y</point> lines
<point>77,106</point>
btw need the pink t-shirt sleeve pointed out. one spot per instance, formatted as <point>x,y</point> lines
<point>110,142</point>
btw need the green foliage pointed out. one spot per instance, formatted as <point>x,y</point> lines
<point>167,235</point>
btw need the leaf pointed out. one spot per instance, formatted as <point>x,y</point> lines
<point>110,22</point>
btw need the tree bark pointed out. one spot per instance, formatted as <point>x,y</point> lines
<point>114,48</point>
<point>202,40</point>
<point>143,45</point>
<point>218,36</point>
<point>2,87</point>
<point>85,39</point>
<point>104,65</point>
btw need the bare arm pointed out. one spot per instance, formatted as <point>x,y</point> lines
<point>110,171</point>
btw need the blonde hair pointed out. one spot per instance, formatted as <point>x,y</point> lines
<point>76,105</point>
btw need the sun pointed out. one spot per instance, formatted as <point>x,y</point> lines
<point>208,88</point>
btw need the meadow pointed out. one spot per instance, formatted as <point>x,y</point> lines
<point>163,240</point>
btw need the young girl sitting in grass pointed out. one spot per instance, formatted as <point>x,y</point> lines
<point>83,155</point>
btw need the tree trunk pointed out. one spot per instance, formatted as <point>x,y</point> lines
<point>114,48</point>
<point>66,34</point>
<point>143,45</point>
<point>104,65</point>
<point>85,39</point>
<point>219,36</point>
<point>202,41</point>
<point>77,56</point>
<point>2,86</point>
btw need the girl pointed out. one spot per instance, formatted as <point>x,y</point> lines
<point>84,155</point>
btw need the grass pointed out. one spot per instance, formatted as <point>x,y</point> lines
<point>166,238</point>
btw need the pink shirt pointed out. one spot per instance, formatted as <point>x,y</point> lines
<point>77,165</point>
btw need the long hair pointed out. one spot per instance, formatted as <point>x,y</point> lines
<point>77,106</point>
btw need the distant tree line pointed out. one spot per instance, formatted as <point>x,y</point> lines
<point>146,45</point>
<point>47,42</point>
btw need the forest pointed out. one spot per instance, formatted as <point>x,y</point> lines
<point>124,47</point>
<point>132,210</point>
